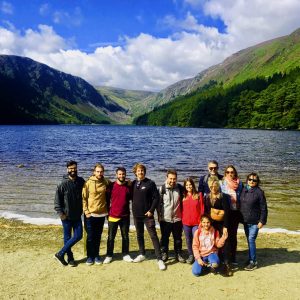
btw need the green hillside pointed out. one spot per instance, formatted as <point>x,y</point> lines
<point>255,88</point>
<point>33,93</point>
<point>134,102</point>
<point>265,103</point>
<point>262,60</point>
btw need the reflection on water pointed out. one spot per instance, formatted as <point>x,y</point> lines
<point>44,150</point>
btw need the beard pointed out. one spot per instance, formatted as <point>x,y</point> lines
<point>72,174</point>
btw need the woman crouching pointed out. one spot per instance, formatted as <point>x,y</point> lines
<point>206,242</point>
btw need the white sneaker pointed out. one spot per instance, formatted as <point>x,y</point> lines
<point>127,258</point>
<point>107,260</point>
<point>161,265</point>
<point>139,258</point>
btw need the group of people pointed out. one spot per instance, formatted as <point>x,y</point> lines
<point>209,216</point>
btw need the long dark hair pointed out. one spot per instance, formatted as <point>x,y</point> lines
<point>254,175</point>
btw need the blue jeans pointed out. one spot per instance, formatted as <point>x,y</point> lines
<point>189,234</point>
<point>210,259</point>
<point>69,240</point>
<point>251,231</point>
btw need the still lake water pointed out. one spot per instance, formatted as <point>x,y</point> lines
<point>43,150</point>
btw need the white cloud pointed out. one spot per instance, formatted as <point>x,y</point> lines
<point>66,18</point>
<point>44,9</point>
<point>251,22</point>
<point>6,8</point>
<point>151,63</point>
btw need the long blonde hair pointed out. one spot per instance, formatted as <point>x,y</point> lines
<point>211,181</point>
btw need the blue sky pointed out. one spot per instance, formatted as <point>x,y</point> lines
<point>139,44</point>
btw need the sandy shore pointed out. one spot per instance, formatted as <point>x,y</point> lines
<point>28,271</point>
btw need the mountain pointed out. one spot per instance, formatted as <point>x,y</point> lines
<point>33,93</point>
<point>258,87</point>
<point>133,102</point>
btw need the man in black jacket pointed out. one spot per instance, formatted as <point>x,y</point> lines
<point>145,200</point>
<point>68,205</point>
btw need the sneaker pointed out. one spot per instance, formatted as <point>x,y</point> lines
<point>161,265</point>
<point>213,270</point>
<point>234,265</point>
<point>139,258</point>
<point>72,263</point>
<point>190,259</point>
<point>61,259</point>
<point>107,260</point>
<point>252,266</point>
<point>89,261</point>
<point>179,258</point>
<point>98,260</point>
<point>127,258</point>
<point>164,256</point>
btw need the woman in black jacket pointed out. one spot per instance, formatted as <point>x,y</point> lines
<point>216,200</point>
<point>254,211</point>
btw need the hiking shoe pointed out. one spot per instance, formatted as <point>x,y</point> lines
<point>227,271</point>
<point>72,263</point>
<point>61,259</point>
<point>190,259</point>
<point>127,258</point>
<point>89,261</point>
<point>252,266</point>
<point>139,258</point>
<point>107,260</point>
<point>161,265</point>
<point>164,256</point>
<point>98,260</point>
<point>180,259</point>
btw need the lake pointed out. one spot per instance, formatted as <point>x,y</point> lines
<point>28,191</point>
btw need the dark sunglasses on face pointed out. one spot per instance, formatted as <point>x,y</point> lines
<point>252,179</point>
<point>213,168</point>
<point>229,172</point>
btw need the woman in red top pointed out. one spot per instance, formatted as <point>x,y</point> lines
<point>192,210</point>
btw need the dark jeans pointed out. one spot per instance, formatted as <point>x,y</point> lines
<point>150,225</point>
<point>189,235</point>
<point>94,228</point>
<point>123,223</point>
<point>166,229</point>
<point>224,252</point>
<point>235,218</point>
<point>69,240</point>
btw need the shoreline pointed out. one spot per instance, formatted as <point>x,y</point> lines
<point>31,272</point>
<point>52,221</point>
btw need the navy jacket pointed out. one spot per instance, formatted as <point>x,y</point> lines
<point>68,198</point>
<point>253,206</point>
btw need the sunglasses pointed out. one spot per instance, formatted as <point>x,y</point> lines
<point>229,172</point>
<point>252,179</point>
<point>213,168</point>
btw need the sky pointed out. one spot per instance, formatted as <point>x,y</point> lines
<point>139,44</point>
